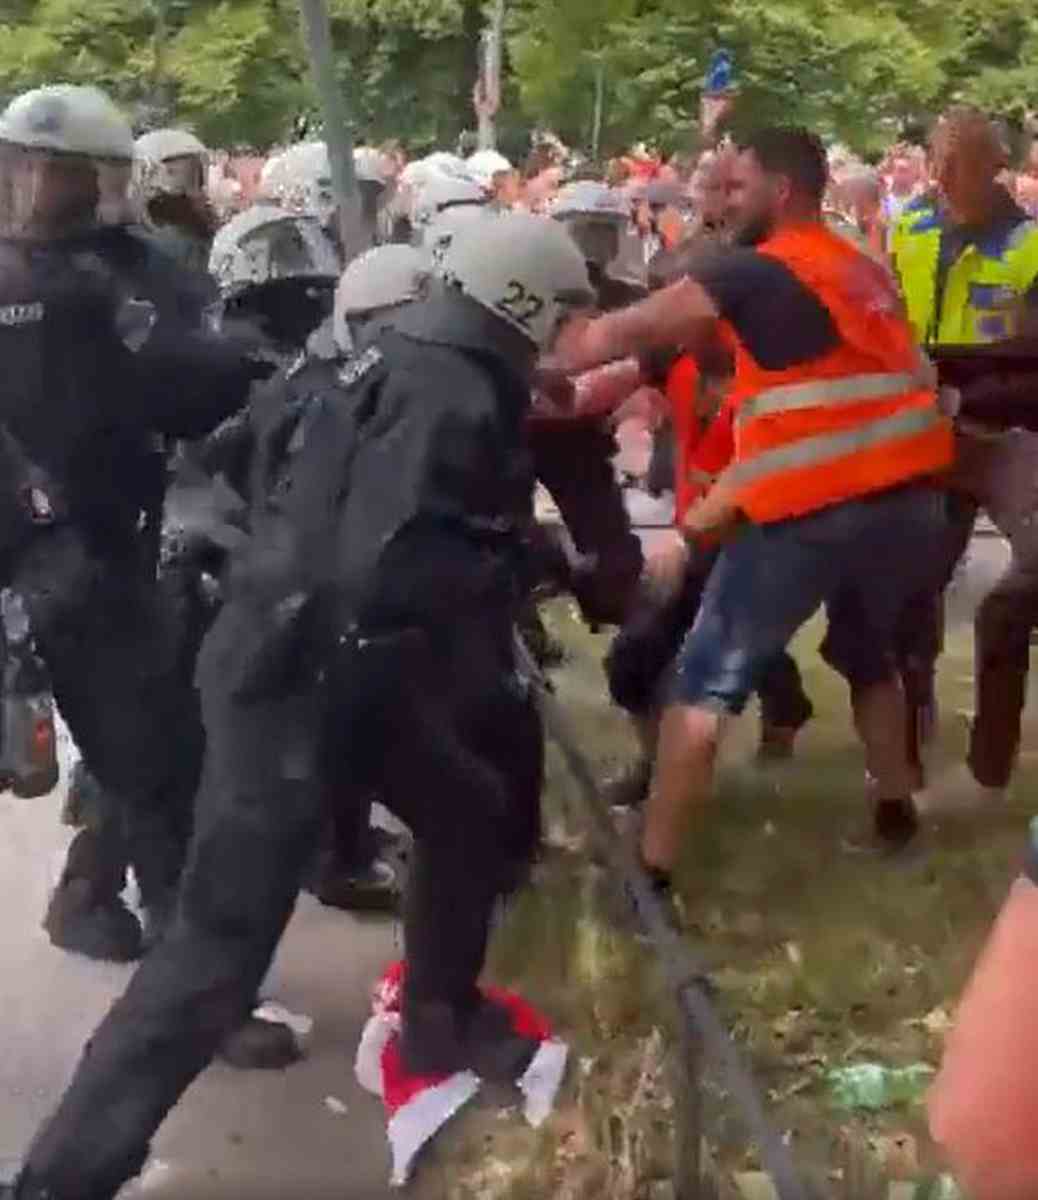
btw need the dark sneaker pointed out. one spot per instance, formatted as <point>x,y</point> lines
<point>260,1045</point>
<point>107,932</point>
<point>629,788</point>
<point>375,890</point>
<point>892,833</point>
<point>777,744</point>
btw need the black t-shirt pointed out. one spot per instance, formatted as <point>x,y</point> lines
<point>780,321</point>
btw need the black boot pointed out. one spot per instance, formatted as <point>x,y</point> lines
<point>629,788</point>
<point>437,1039</point>
<point>260,1045</point>
<point>374,888</point>
<point>87,914</point>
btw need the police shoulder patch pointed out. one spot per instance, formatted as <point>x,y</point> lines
<point>21,314</point>
<point>355,370</point>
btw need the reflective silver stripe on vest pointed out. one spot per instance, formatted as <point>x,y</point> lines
<point>822,393</point>
<point>828,447</point>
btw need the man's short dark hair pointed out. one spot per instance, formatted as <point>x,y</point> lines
<point>794,152</point>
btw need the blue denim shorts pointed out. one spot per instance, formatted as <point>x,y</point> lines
<point>866,557</point>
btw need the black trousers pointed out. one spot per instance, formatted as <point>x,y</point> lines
<point>443,727</point>
<point>574,462</point>
<point>112,646</point>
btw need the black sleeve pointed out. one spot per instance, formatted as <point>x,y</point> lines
<point>779,320</point>
<point>190,383</point>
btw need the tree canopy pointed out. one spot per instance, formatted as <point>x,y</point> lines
<point>235,70</point>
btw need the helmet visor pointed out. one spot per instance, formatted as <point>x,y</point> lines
<point>45,194</point>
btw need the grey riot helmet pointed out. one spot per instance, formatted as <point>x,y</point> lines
<point>522,268</point>
<point>595,216</point>
<point>441,194</point>
<point>52,140</point>
<point>170,162</point>
<point>378,280</point>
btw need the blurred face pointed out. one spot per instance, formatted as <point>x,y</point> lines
<point>44,195</point>
<point>709,192</point>
<point>508,188</point>
<point>966,160</point>
<point>754,200</point>
<point>115,206</point>
<point>902,176</point>
<point>599,241</point>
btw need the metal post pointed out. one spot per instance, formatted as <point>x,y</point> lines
<point>338,127</point>
<point>688,1125</point>
<point>596,126</point>
<point>489,84</point>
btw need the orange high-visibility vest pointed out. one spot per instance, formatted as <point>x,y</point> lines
<point>860,419</point>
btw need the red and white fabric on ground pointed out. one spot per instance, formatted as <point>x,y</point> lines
<point>417,1107</point>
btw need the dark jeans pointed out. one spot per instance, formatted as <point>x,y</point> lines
<point>454,744</point>
<point>574,462</point>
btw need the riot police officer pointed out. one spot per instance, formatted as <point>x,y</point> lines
<point>573,455</point>
<point>368,631</point>
<point>170,172</point>
<point>86,913</point>
<point>92,375</point>
<point>300,179</point>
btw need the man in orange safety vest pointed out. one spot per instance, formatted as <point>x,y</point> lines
<point>828,499</point>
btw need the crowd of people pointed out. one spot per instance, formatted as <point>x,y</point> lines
<point>290,532</point>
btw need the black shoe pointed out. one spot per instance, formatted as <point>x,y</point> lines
<point>105,931</point>
<point>437,1040</point>
<point>777,743</point>
<point>629,788</point>
<point>375,890</point>
<point>493,1049</point>
<point>260,1045</point>
<point>893,832</point>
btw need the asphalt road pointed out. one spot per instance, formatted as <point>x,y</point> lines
<point>261,1136</point>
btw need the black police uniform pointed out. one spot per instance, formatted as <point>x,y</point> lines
<point>574,462</point>
<point>367,632</point>
<point>85,913</point>
<point>86,408</point>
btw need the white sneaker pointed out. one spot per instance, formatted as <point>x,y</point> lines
<point>958,794</point>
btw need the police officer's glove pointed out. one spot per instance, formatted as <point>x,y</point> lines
<point>29,500</point>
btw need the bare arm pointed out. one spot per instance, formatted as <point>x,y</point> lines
<point>680,315</point>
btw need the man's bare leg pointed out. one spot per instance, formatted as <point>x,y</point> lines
<point>683,781</point>
<point>880,717</point>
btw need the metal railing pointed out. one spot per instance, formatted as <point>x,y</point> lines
<point>704,1038</point>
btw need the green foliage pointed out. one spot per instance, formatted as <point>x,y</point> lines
<point>408,66</point>
<point>240,71</point>
<point>236,70</point>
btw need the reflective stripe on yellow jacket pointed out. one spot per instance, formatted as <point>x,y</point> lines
<point>984,287</point>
